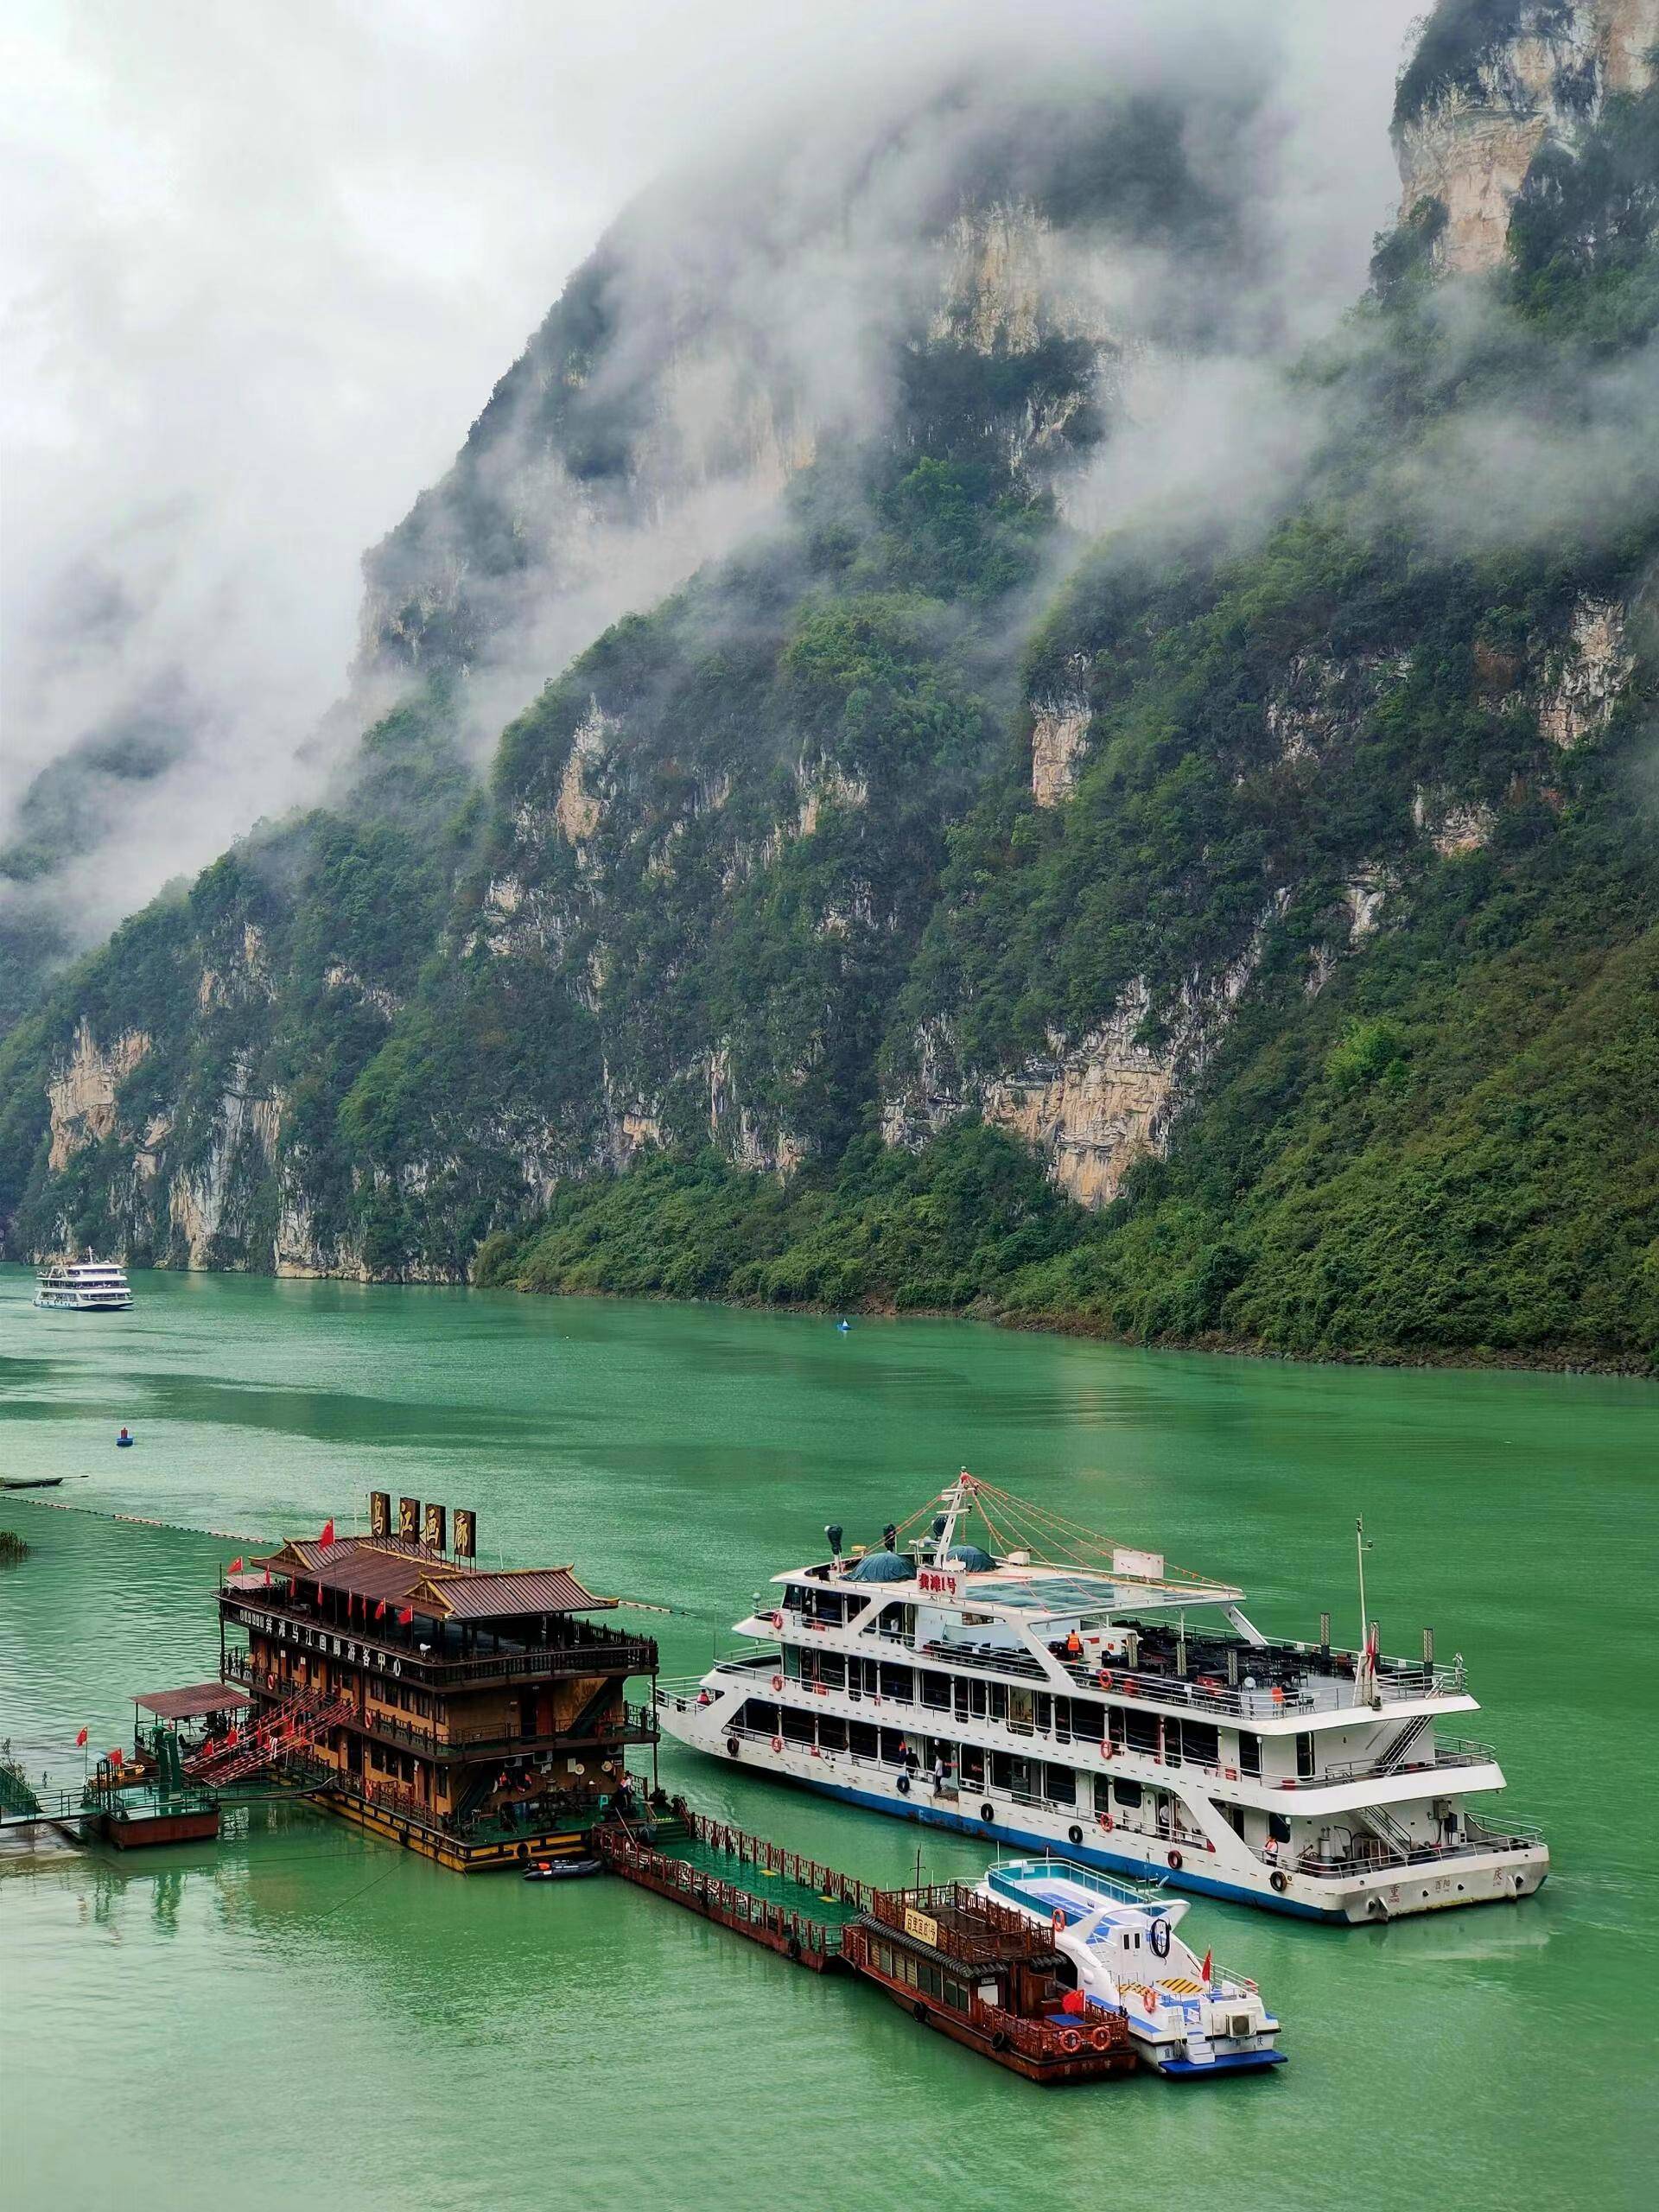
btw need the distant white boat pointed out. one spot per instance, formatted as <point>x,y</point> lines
<point>87,1285</point>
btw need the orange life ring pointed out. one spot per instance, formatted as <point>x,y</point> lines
<point>1106,1823</point>
<point>776,1681</point>
<point>1057,1920</point>
<point>1104,1678</point>
<point>776,1743</point>
<point>1101,2039</point>
<point>1070,2042</point>
<point>1108,1749</point>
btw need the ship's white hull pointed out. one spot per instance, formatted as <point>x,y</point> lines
<point>74,1301</point>
<point>1383,1893</point>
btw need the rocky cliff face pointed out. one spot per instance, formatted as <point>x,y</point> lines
<point>1535,74</point>
<point>82,1090</point>
<point>870,861</point>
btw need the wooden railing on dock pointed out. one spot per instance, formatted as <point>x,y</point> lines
<point>966,1925</point>
<point>755,1850</point>
<point>809,1942</point>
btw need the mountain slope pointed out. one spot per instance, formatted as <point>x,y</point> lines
<point>1243,935</point>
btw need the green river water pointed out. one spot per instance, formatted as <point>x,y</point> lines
<point>301,2017</point>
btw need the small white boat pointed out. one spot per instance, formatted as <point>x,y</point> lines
<point>1185,2017</point>
<point>87,1285</point>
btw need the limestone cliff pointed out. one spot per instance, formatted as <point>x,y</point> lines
<point>1499,85</point>
<point>82,1091</point>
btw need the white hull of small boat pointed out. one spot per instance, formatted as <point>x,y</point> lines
<point>1186,2018</point>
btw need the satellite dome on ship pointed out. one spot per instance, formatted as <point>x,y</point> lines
<point>976,1560</point>
<point>882,1566</point>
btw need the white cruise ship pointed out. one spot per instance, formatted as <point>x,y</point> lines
<point>1049,1690</point>
<point>87,1285</point>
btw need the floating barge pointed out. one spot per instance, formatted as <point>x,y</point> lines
<point>474,1716</point>
<point>972,1969</point>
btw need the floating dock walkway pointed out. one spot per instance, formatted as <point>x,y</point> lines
<point>957,1962</point>
<point>793,1905</point>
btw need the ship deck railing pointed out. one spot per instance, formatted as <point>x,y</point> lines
<point>1451,1753</point>
<point>1290,1677</point>
<point>1042,2039</point>
<point>589,1650</point>
<point>1476,1841</point>
<point>638,1726</point>
<point>1447,1751</point>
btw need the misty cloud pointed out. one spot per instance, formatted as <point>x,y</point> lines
<point>264,267</point>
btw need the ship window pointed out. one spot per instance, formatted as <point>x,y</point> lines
<point>955,1996</point>
<point>928,1978</point>
<point>961,1688</point>
<point>864,1741</point>
<point>832,1669</point>
<point>832,1732</point>
<point>792,1662</point>
<point>999,1702</point>
<point>1062,1785</point>
<point>1200,1743</point>
<point>1141,1730</point>
<point>898,1620</point>
<point>1249,1752</point>
<point>1303,1756</point>
<point>976,1699</point>
<point>936,1692</point>
<point>1126,1793</point>
<point>892,1745</point>
<point>1103,1794</point>
<point>1278,1828</point>
<point>1044,1713</point>
<point>760,1716</point>
<point>798,1726</point>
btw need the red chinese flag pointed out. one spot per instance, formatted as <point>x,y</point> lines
<point>380,1610</point>
<point>117,1757</point>
<point>267,1577</point>
<point>235,1567</point>
<point>328,1535</point>
<point>1207,1969</point>
<point>406,1617</point>
<point>80,1741</point>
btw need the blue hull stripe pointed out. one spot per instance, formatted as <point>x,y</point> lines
<point>1111,1861</point>
<point>1238,2062</point>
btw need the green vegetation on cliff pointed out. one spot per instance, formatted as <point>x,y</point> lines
<point>1334,960</point>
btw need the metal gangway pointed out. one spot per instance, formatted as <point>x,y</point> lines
<point>282,1732</point>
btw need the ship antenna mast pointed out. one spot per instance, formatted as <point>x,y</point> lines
<point>956,1503</point>
<point>1364,1671</point>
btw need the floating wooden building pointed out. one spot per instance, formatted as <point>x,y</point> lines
<point>479,1717</point>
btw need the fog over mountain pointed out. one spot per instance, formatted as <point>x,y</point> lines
<point>263,267</point>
